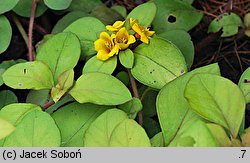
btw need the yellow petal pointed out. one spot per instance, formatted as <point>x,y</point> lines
<point>137,29</point>
<point>102,55</point>
<point>150,33</point>
<point>111,28</point>
<point>131,39</point>
<point>123,46</point>
<point>114,51</point>
<point>99,44</point>
<point>105,36</point>
<point>118,24</point>
<point>144,38</point>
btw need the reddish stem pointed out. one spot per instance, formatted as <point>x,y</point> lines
<point>31,25</point>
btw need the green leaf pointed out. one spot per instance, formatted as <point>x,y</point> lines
<point>84,5</point>
<point>65,21</point>
<point>7,5</point>
<point>58,5</point>
<point>5,33</point>
<point>23,8</point>
<point>29,75</point>
<point>127,58</point>
<point>145,13</point>
<point>171,105</point>
<point>129,134</point>
<point>123,77</point>
<point>96,65</point>
<point>103,126</point>
<point>7,97</point>
<point>65,82</point>
<point>193,132</point>
<point>106,14</point>
<point>131,107</point>
<point>120,9</point>
<point>245,85</point>
<point>183,41</point>
<point>172,15</point>
<point>246,138</point>
<point>228,22</point>
<point>87,29</point>
<point>158,63</point>
<point>38,97</point>
<point>99,88</point>
<point>3,67</point>
<point>220,135</point>
<point>14,113</point>
<point>151,126</point>
<point>209,96</point>
<point>247,24</point>
<point>60,53</point>
<point>157,140</point>
<point>40,131</point>
<point>6,128</point>
<point>74,119</point>
<point>65,100</point>
<point>148,101</point>
<point>188,1</point>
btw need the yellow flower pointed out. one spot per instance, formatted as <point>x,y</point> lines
<point>116,26</point>
<point>144,33</point>
<point>123,39</point>
<point>105,46</point>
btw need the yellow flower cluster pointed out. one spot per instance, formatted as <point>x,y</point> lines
<point>110,45</point>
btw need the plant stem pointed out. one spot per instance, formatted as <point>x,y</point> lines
<point>31,25</point>
<point>135,94</point>
<point>47,105</point>
<point>21,30</point>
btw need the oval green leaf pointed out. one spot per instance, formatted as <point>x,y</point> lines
<point>127,58</point>
<point>183,41</point>
<point>193,132</point>
<point>7,97</point>
<point>217,99</point>
<point>172,15</point>
<point>219,134</point>
<point>60,53</point>
<point>228,22</point>
<point>131,107</point>
<point>6,128</point>
<point>171,105</point>
<point>129,134</point>
<point>84,5</point>
<point>103,126</point>
<point>29,75</point>
<point>96,65</point>
<point>149,102</point>
<point>74,119</point>
<point>23,8</point>
<point>158,63</point>
<point>87,29</point>
<point>157,140</point>
<point>65,82</point>
<point>145,13</point>
<point>40,131</point>
<point>7,5</point>
<point>38,97</point>
<point>245,85</point>
<point>58,5</point>
<point>65,21</point>
<point>14,113</point>
<point>5,33</point>
<point>99,88</point>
